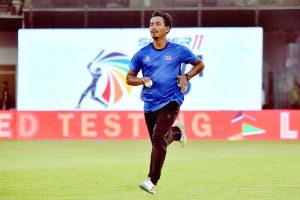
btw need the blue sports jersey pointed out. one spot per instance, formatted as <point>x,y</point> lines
<point>162,66</point>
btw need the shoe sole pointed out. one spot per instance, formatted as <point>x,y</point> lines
<point>182,128</point>
<point>145,189</point>
<point>183,143</point>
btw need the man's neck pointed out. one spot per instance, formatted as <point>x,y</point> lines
<point>159,43</point>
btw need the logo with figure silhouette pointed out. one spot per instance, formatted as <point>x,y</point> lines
<point>108,71</point>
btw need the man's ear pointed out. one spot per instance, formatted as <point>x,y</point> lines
<point>168,29</point>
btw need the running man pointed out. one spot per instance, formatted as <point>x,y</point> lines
<point>164,85</point>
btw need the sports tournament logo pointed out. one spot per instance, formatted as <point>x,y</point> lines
<point>247,129</point>
<point>109,73</point>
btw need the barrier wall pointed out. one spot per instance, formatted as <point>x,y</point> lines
<point>118,125</point>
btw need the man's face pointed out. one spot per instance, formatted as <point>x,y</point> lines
<point>157,28</point>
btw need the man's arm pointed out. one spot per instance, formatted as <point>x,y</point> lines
<point>198,67</point>
<point>183,79</point>
<point>132,79</point>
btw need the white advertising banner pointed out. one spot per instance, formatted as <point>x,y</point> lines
<point>85,69</point>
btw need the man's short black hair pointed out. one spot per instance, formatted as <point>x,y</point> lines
<point>166,16</point>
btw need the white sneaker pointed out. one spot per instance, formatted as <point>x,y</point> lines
<point>183,138</point>
<point>148,186</point>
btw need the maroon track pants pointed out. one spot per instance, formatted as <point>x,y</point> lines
<point>159,124</point>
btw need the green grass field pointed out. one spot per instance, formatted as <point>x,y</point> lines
<point>100,170</point>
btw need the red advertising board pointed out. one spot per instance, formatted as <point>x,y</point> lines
<point>200,125</point>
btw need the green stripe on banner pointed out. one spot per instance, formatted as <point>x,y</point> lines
<point>248,129</point>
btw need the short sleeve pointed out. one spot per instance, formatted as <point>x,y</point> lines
<point>136,63</point>
<point>188,57</point>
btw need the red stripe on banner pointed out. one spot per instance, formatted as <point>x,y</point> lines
<point>200,42</point>
<point>195,42</point>
<point>200,125</point>
<point>106,92</point>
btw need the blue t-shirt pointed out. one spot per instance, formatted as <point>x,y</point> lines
<point>162,66</point>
